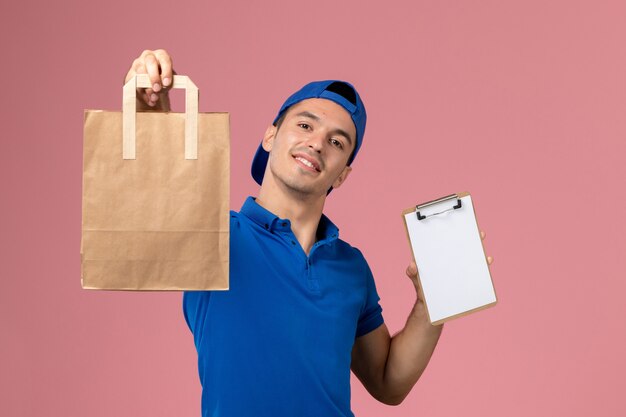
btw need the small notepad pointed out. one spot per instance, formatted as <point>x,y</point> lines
<point>453,271</point>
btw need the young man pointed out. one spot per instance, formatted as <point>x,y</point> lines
<point>302,309</point>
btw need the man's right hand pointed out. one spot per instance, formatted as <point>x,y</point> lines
<point>158,65</point>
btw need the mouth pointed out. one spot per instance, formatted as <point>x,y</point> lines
<point>307,162</point>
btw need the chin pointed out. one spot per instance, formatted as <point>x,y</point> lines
<point>295,184</point>
<point>304,190</point>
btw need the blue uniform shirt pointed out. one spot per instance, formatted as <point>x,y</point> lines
<point>279,342</point>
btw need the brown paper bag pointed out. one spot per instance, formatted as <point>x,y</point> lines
<point>155,197</point>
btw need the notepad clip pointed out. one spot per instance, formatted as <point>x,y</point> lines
<point>440,200</point>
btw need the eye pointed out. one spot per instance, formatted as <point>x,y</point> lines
<point>336,143</point>
<point>304,126</point>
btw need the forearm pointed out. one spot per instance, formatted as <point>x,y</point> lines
<point>388,366</point>
<point>409,353</point>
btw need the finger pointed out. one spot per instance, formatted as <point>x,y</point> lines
<point>153,99</point>
<point>146,98</point>
<point>135,68</point>
<point>138,67</point>
<point>152,68</point>
<point>166,64</point>
<point>482,235</point>
<point>489,260</point>
<point>411,270</point>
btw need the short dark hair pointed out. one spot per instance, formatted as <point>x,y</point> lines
<point>280,120</point>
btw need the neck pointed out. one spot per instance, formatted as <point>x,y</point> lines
<point>303,211</point>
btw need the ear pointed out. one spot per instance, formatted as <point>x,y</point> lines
<point>342,177</point>
<point>268,138</point>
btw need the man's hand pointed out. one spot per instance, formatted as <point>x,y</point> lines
<point>158,65</point>
<point>482,237</point>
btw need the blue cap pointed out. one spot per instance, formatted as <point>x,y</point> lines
<point>340,92</point>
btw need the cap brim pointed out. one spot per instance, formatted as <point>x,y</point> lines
<point>259,164</point>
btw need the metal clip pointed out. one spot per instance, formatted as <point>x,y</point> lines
<point>440,200</point>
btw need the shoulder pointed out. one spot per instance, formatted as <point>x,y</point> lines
<point>235,219</point>
<point>351,253</point>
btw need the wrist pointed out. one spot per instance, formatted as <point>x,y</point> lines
<point>420,314</point>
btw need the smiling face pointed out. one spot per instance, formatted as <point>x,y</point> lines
<point>310,149</point>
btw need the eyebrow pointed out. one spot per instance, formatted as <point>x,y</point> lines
<point>312,116</point>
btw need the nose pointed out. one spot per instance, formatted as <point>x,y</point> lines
<point>316,141</point>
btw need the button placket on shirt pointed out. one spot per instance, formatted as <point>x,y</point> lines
<point>312,284</point>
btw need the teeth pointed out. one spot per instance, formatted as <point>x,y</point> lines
<point>305,162</point>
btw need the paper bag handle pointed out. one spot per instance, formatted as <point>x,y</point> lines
<point>129,112</point>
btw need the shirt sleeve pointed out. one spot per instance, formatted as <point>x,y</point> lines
<point>371,315</point>
<point>195,305</point>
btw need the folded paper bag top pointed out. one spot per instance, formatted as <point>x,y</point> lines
<point>155,196</point>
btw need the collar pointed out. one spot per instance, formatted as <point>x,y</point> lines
<point>326,230</point>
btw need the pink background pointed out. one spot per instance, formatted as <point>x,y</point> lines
<point>521,103</point>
